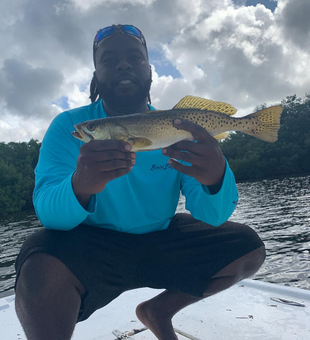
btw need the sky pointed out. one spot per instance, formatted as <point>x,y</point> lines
<point>244,52</point>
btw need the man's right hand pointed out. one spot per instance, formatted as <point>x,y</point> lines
<point>98,163</point>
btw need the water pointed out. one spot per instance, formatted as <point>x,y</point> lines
<point>279,210</point>
<point>13,232</point>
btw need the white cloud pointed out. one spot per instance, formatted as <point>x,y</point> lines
<point>295,24</point>
<point>77,98</point>
<point>86,5</point>
<point>27,90</point>
<point>167,91</point>
<point>242,59</point>
<point>14,129</point>
<point>243,55</point>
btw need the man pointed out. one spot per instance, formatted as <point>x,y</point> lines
<point>109,213</point>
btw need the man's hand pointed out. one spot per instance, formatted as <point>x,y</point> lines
<point>98,163</point>
<point>205,156</point>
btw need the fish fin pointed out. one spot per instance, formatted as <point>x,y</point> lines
<point>191,102</point>
<point>221,136</point>
<point>139,142</point>
<point>154,111</point>
<point>268,123</point>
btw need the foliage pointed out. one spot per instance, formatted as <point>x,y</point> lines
<point>251,158</point>
<point>17,163</point>
<point>248,157</point>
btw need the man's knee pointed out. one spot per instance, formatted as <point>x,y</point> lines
<point>245,266</point>
<point>254,261</point>
<point>43,272</point>
<point>250,263</point>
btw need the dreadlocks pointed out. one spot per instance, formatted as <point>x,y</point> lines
<point>94,93</point>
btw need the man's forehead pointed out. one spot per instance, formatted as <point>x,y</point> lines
<point>120,43</point>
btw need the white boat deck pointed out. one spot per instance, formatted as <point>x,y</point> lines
<point>244,312</point>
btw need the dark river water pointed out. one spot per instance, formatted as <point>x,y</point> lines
<point>278,209</point>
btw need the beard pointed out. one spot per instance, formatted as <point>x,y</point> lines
<point>126,103</point>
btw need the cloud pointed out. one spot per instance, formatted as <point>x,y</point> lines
<point>86,5</point>
<point>295,23</point>
<point>27,90</point>
<point>218,49</point>
<point>18,130</point>
<point>45,29</point>
<point>167,91</point>
<point>236,54</point>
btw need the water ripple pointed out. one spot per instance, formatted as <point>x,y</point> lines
<point>14,232</point>
<point>278,209</point>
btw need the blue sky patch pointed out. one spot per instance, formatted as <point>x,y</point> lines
<point>163,66</point>
<point>267,3</point>
<point>62,102</point>
<point>83,87</point>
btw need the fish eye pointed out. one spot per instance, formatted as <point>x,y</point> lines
<point>91,126</point>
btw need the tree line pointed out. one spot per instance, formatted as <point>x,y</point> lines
<point>17,163</point>
<point>248,157</point>
<point>251,158</point>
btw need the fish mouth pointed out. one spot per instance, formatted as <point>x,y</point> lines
<point>81,134</point>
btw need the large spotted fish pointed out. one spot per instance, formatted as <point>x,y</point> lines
<point>154,129</point>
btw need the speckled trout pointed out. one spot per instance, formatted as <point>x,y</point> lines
<point>155,130</point>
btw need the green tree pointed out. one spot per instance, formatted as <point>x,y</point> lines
<point>251,158</point>
<point>17,163</point>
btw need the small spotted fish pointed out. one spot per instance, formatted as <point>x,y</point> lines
<point>155,130</point>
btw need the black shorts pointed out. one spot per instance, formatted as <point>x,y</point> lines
<point>107,263</point>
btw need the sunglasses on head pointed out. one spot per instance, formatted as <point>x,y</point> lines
<point>125,29</point>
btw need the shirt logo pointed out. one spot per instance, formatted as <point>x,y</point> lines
<point>237,199</point>
<point>161,167</point>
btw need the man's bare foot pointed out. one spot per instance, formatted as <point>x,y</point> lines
<point>155,320</point>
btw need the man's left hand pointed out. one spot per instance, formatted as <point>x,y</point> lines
<point>204,155</point>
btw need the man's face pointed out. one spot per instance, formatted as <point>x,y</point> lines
<point>123,72</point>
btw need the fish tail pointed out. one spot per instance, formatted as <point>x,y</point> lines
<point>264,124</point>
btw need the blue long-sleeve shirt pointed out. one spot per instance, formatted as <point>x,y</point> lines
<point>142,201</point>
